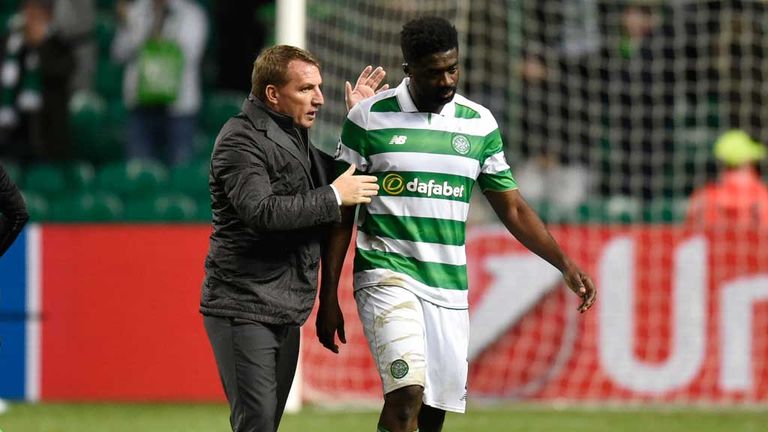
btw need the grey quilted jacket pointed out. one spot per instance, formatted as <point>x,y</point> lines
<point>272,205</point>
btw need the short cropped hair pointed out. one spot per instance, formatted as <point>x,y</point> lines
<point>425,36</point>
<point>271,67</point>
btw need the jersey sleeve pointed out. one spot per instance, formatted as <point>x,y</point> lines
<point>352,146</point>
<point>495,174</point>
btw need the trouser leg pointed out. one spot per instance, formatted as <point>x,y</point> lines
<point>246,354</point>
<point>287,358</point>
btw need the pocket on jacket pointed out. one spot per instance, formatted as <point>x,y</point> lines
<point>268,270</point>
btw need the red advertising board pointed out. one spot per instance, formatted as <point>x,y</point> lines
<point>120,314</point>
<point>682,316</point>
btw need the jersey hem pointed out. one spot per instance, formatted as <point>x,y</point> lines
<point>416,291</point>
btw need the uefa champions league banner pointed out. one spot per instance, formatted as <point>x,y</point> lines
<point>109,312</point>
<point>682,316</point>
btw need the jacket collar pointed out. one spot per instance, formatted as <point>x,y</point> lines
<point>265,119</point>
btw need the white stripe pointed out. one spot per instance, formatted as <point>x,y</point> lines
<point>357,114</point>
<point>424,252</point>
<point>495,164</point>
<point>454,299</point>
<point>425,162</point>
<point>405,120</point>
<point>346,154</point>
<point>419,207</point>
<point>34,310</point>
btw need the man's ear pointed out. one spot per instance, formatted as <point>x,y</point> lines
<point>271,94</point>
<point>406,69</point>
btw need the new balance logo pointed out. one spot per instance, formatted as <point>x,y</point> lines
<point>398,139</point>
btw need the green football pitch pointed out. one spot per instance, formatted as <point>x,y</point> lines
<point>213,417</point>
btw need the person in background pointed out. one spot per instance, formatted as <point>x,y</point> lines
<point>75,20</point>
<point>37,65</point>
<point>236,49</point>
<point>739,196</point>
<point>639,57</point>
<point>161,43</point>
<point>553,172</point>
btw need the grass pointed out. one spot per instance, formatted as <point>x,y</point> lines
<point>214,417</point>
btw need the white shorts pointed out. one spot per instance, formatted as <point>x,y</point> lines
<point>415,342</point>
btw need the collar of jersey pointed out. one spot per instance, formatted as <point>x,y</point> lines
<point>407,105</point>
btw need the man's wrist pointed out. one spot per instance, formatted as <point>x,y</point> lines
<point>336,193</point>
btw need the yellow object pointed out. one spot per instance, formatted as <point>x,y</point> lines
<point>736,148</point>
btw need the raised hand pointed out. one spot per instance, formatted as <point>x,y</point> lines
<point>366,86</point>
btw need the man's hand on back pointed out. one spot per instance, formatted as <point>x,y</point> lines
<point>355,189</point>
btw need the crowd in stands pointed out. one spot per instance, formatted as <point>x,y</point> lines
<point>109,108</point>
<point>622,103</point>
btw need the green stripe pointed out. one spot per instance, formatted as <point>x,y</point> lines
<point>493,145</point>
<point>436,275</point>
<point>416,184</point>
<point>497,182</point>
<point>418,229</point>
<point>386,105</point>
<point>463,111</point>
<point>424,141</point>
<point>353,136</point>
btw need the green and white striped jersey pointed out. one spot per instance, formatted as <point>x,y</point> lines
<point>412,233</point>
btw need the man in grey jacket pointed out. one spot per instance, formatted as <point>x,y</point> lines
<point>272,205</point>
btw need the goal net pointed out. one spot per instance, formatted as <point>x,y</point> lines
<point>609,111</point>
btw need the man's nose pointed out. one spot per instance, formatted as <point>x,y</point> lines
<point>318,99</point>
<point>446,79</point>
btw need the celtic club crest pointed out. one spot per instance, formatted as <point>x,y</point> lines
<point>460,144</point>
<point>398,368</point>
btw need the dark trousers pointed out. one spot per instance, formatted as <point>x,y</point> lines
<point>256,364</point>
<point>153,133</point>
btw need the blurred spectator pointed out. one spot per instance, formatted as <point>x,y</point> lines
<point>37,64</point>
<point>738,197</point>
<point>237,49</point>
<point>161,43</point>
<point>553,172</point>
<point>75,20</point>
<point>543,179</point>
<point>742,65</point>
<point>638,79</point>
